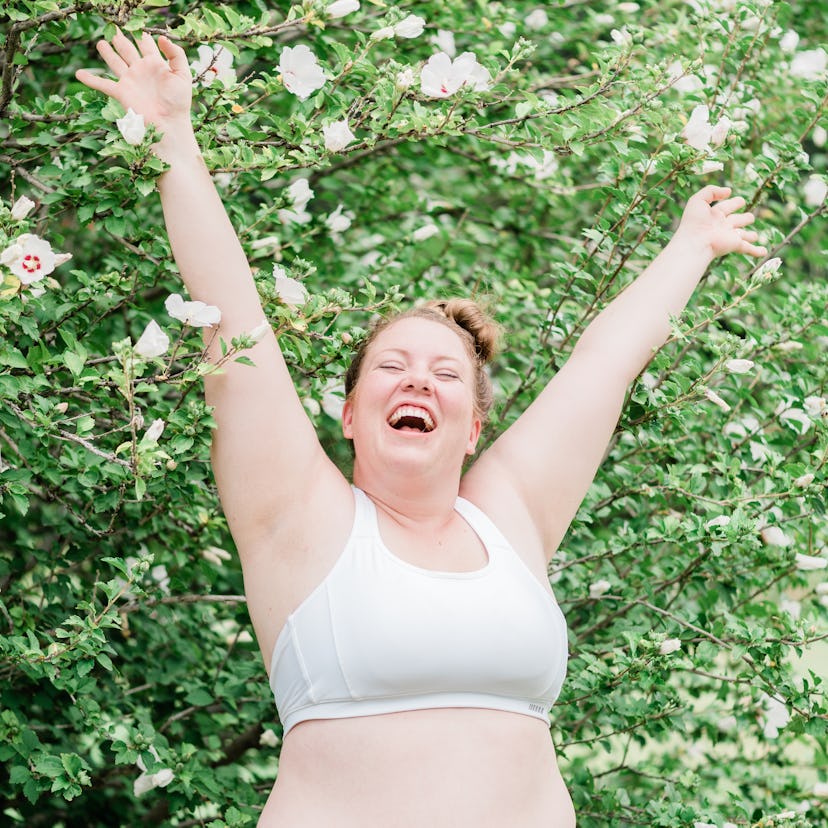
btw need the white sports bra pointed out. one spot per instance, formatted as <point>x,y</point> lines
<point>380,635</point>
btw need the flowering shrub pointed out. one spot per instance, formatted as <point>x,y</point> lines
<point>374,154</point>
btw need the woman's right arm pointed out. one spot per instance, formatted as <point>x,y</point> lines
<point>267,460</point>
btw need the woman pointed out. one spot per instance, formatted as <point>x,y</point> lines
<point>412,638</point>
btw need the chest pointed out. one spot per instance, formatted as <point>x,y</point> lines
<point>454,547</point>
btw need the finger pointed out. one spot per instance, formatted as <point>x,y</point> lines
<point>742,219</point>
<point>146,45</point>
<point>126,48</point>
<point>749,235</point>
<point>176,56</point>
<point>96,82</point>
<point>111,58</point>
<point>712,193</point>
<point>755,250</point>
<point>730,205</point>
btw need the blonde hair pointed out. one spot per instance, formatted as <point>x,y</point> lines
<point>468,319</point>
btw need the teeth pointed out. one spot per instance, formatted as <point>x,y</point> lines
<point>412,411</point>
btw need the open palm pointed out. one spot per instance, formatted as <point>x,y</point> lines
<point>711,216</point>
<point>152,80</point>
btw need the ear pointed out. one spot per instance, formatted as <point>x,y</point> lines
<point>474,435</point>
<point>348,420</point>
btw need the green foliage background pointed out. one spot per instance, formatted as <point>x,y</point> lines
<point>549,193</point>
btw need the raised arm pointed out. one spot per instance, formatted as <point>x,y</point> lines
<point>265,452</point>
<point>551,453</point>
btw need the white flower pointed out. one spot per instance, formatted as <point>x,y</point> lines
<point>411,26</point>
<point>311,406</point>
<point>682,82</point>
<point>147,781</point>
<point>815,406</point>
<point>444,41</point>
<point>815,190</point>
<point>214,63</point>
<point>258,333</point>
<point>269,739</point>
<point>800,420</point>
<point>809,65</point>
<point>385,33</point>
<point>820,789</point>
<point>791,606</point>
<point>30,258</point>
<point>804,481</point>
<point>628,8</point>
<point>621,37</point>
<point>819,136</point>
<point>765,271</point>
<point>425,232</point>
<point>300,193</point>
<point>153,341</point>
<point>131,127</point>
<point>333,400</point>
<point>21,208</point>
<point>508,28</point>
<point>708,167</point>
<point>808,563</point>
<point>337,135</point>
<point>721,520</point>
<point>290,291</point>
<point>339,222</point>
<point>774,536</point>
<point>790,345</point>
<point>776,716</point>
<point>789,41</point>
<point>215,555</point>
<point>270,243</point>
<point>727,724</point>
<point>441,76</point>
<point>301,73</point>
<point>739,366</point>
<point>155,430</point>
<point>339,8</point>
<point>759,452</point>
<point>405,78</point>
<point>716,399</point>
<point>197,314</point>
<point>598,588</point>
<point>700,133</point>
<point>536,19</point>
<point>697,130</point>
<point>669,645</point>
<point>719,131</point>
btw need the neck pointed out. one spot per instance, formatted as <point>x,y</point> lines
<point>409,497</point>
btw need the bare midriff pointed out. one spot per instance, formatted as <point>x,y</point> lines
<point>442,768</point>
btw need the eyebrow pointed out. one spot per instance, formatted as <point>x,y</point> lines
<point>407,353</point>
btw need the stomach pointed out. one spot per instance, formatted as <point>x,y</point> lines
<point>444,768</point>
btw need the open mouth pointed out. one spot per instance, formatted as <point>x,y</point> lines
<point>411,418</point>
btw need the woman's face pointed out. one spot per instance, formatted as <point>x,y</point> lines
<point>414,401</point>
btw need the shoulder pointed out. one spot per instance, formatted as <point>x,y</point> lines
<point>505,508</point>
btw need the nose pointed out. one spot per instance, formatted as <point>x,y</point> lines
<point>417,379</point>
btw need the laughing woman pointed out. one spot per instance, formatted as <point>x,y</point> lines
<point>413,643</point>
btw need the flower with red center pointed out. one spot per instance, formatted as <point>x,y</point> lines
<point>30,258</point>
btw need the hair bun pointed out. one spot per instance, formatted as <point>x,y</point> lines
<point>473,318</point>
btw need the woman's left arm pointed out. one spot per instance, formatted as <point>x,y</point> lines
<point>549,456</point>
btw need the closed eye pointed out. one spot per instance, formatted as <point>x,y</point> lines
<point>447,375</point>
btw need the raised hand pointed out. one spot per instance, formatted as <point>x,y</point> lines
<point>152,80</point>
<point>712,218</point>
